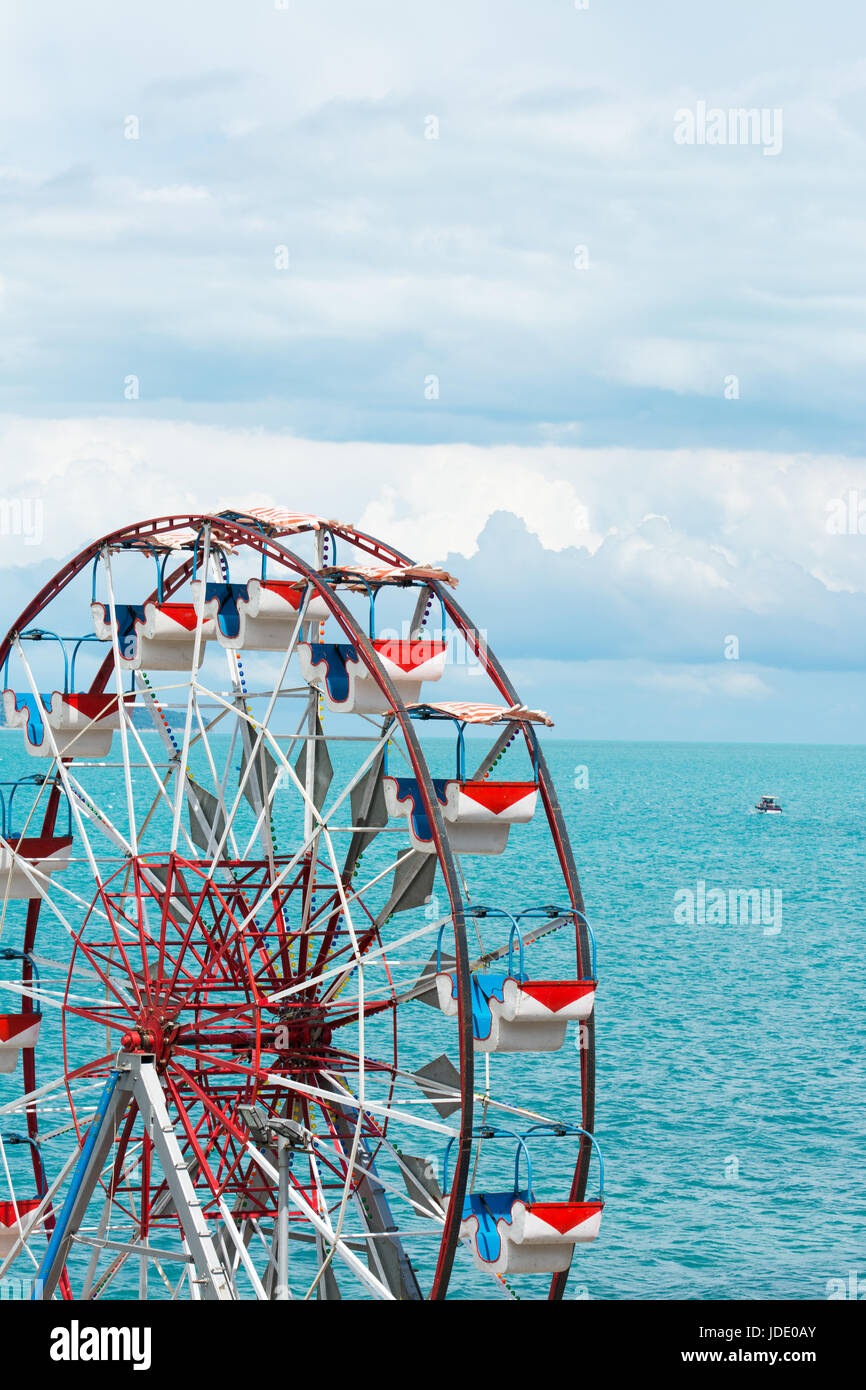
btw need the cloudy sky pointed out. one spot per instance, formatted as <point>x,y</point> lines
<point>445,270</point>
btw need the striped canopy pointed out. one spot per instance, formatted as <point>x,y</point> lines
<point>391,574</point>
<point>182,538</point>
<point>468,713</point>
<point>285,523</point>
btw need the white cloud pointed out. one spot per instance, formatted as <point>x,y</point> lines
<point>175,193</point>
<point>704,682</point>
<point>454,256</point>
<point>672,364</point>
<point>96,474</point>
<point>573,551</point>
<point>699,521</point>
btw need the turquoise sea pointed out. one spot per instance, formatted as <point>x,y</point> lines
<point>730,1054</point>
<point>731,1062</point>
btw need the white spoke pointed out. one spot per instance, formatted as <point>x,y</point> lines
<point>123,720</point>
<point>196,662</point>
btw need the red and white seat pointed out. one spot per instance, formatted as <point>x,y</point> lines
<point>17,1031</point>
<point>265,613</point>
<point>477,815</point>
<point>82,724</point>
<point>509,1234</point>
<point>347,685</point>
<point>514,1015</point>
<point>45,855</point>
<point>15,1219</point>
<point>154,636</point>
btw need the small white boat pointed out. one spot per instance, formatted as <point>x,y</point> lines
<point>769,805</point>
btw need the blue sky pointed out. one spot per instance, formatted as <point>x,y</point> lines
<point>614,507</point>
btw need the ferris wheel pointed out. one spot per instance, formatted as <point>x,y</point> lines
<point>297,979</point>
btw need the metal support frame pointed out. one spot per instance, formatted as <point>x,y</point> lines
<point>135,1079</point>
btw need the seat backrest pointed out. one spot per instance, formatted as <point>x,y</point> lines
<point>227,595</point>
<point>336,657</point>
<point>408,789</point>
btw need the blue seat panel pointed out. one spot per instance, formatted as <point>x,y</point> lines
<point>485,985</point>
<point>36,713</point>
<point>490,1207</point>
<point>227,596</point>
<point>407,787</point>
<point>336,656</point>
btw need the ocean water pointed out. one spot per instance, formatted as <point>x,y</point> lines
<point>730,1059</point>
<point>730,1053</point>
